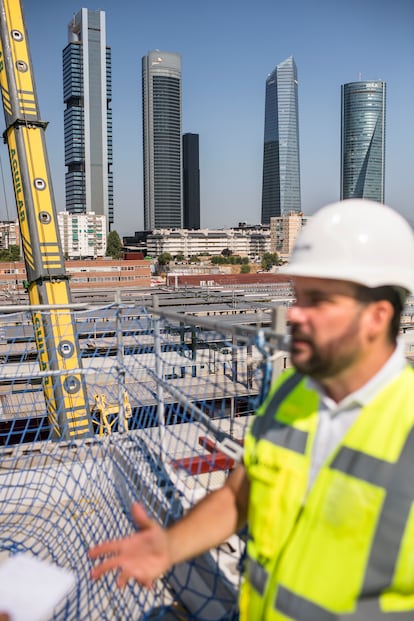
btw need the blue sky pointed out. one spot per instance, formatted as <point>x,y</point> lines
<point>228,48</point>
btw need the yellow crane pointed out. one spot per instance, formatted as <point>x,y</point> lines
<point>64,389</point>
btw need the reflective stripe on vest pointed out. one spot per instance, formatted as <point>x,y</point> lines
<point>257,575</point>
<point>302,609</point>
<point>267,428</point>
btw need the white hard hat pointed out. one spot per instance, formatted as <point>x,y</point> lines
<point>356,240</point>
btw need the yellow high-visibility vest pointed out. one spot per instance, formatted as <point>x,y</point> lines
<point>347,551</point>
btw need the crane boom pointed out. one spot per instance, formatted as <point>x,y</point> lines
<point>65,389</point>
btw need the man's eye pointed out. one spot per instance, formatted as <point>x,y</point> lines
<point>316,300</point>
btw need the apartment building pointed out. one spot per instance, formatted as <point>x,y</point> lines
<point>83,236</point>
<point>284,231</point>
<point>9,234</point>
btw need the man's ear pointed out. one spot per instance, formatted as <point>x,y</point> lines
<point>378,317</point>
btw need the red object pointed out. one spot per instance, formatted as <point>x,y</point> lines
<point>201,464</point>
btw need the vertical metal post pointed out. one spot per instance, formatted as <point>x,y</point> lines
<point>234,362</point>
<point>231,416</point>
<point>249,366</point>
<point>278,326</point>
<point>159,368</point>
<point>120,364</point>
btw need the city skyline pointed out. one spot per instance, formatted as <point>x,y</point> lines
<point>226,55</point>
<point>88,116</point>
<point>281,161</point>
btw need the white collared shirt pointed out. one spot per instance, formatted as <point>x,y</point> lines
<point>334,419</point>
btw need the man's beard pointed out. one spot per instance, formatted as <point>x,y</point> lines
<point>328,360</point>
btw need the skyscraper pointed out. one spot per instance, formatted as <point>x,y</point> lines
<point>191,181</point>
<point>281,169</point>
<point>161,105</point>
<point>88,117</point>
<point>363,140</point>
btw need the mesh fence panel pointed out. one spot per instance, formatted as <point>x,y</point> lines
<point>161,394</point>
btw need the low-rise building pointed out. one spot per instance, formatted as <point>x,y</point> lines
<point>96,274</point>
<point>12,277</point>
<point>108,273</point>
<point>245,241</point>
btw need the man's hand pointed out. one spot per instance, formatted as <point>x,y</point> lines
<point>153,550</point>
<point>144,556</point>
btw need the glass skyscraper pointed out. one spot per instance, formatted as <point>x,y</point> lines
<point>363,140</point>
<point>281,169</point>
<point>87,117</point>
<point>191,181</point>
<point>162,143</point>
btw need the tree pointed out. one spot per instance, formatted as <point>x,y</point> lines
<point>218,260</point>
<point>164,258</point>
<point>269,260</point>
<point>12,253</point>
<point>114,245</point>
<point>245,268</point>
<point>14,250</point>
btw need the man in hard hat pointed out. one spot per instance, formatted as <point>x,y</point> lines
<point>327,483</point>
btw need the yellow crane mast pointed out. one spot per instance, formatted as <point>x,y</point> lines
<point>64,389</point>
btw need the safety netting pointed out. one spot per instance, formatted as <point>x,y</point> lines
<point>169,402</point>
